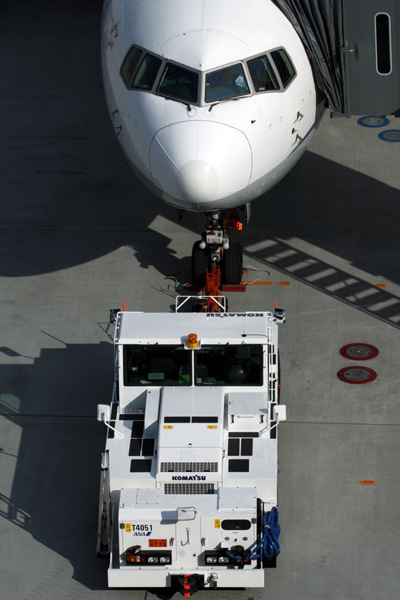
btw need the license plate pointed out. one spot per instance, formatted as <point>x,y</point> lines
<point>157,543</point>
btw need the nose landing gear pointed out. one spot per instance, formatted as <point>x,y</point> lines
<point>216,248</point>
<point>233,264</point>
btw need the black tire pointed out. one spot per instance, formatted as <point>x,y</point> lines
<point>201,261</point>
<point>233,264</point>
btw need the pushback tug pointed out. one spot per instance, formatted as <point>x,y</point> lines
<point>188,495</point>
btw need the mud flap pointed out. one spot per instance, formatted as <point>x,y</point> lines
<point>187,585</point>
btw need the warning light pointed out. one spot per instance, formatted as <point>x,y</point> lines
<point>234,223</point>
<point>192,341</point>
<point>130,558</point>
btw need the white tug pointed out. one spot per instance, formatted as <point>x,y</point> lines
<point>188,494</point>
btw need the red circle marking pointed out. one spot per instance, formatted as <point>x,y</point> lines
<point>356,375</point>
<point>359,351</point>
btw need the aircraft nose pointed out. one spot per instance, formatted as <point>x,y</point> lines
<point>197,181</point>
<point>201,165</point>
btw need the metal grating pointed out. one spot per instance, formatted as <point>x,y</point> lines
<point>188,488</point>
<point>189,467</point>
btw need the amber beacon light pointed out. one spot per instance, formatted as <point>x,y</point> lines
<point>192,341</point>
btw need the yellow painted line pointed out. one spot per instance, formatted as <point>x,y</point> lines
<point>367,482</point>
<point>380,285</point>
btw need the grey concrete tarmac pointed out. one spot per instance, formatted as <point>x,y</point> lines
<point>80,234</point>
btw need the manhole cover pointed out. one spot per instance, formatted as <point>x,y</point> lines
<point>373,121</point>
<point>359,351</point>
<point>356,375</point>
<point>391,135</point>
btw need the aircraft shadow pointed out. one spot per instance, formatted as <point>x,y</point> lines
<point>56,483</point>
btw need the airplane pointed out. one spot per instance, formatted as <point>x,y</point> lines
<point>213,102</point>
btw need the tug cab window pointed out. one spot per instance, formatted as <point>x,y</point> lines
<point>229,365</point>
<point>157,365</point>
<point>229,82</point>
<point>284,66</point>
<point>129,64</point>
<point>147,72</point>
<point>262,74</point>
<point>179,82</point>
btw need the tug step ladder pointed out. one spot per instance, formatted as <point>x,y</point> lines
<point>103,545</point>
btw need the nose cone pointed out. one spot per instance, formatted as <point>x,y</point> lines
<point>201,165</point>
<point>197,181</point>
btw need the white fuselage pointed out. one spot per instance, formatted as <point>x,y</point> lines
<point>207,156</point>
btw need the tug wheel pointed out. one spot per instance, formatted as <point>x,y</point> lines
<point>201,261</point>
<point>233,264</point>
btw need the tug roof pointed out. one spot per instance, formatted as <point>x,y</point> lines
<point>214,328</point>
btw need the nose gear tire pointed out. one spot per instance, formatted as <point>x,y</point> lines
<point>233,264</point>
<point>201,261</point>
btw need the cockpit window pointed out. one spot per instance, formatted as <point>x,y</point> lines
<point>284,66</point>
<point>130,63</point>
<point>262,74</point>
<point>147,72</point>
<point>179,83</point>
<point>141,70</point>
<point>229,82</point>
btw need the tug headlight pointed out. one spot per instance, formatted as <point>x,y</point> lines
<point>211,559</point>
<point>223,559</point>
<point>152,559</point>
<point>165,559</point>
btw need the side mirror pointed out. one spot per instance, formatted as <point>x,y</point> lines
<point>113,315</point>
<point>103,413</point>
<point>280,315</point>
<point>279,413</point>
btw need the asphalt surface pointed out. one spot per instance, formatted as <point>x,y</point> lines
<point>80,234</point>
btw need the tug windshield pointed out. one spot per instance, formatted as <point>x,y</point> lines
<point>229,82</point>
<point>229,365</point>
<point>157,365</point>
